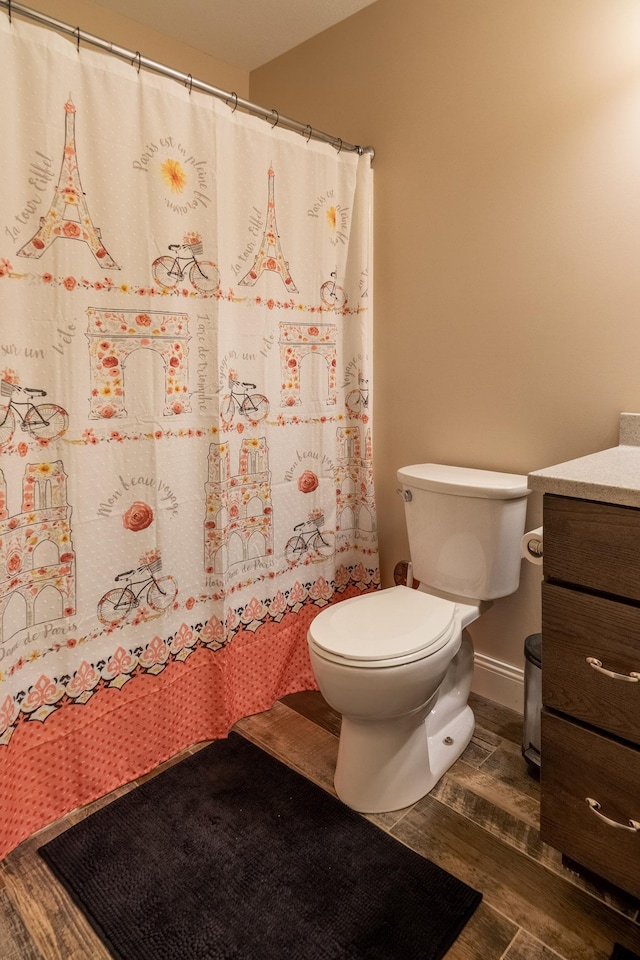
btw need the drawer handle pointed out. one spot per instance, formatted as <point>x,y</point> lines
<point>632,677</point>
<point>593,805</point>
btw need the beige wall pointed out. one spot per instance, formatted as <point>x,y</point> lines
<point>507,233</point>
<point>155,46</point>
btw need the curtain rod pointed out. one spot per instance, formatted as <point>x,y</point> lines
<point>135,58</point>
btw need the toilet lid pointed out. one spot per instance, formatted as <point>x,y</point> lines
<point>386,625</point>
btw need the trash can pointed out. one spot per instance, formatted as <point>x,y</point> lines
<point>532,698</point>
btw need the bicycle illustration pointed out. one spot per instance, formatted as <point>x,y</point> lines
<point>117,603</point>
<point>203,275</point>
<point>253,406</point>
<point>44,421</point>
<point>331,294</point>
<point>358,400</point>
<point>310,540</point>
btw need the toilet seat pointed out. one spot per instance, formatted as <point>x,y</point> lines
<point>383,629</point>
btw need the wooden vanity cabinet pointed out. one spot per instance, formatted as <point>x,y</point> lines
<point>590,724</point>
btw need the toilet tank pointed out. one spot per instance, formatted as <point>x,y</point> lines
<point>465,527</point>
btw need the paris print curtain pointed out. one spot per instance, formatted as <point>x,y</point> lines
<point>185,435</point>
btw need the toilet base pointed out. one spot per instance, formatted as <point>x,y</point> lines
<point>389,765</point>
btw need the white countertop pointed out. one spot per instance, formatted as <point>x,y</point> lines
<point>610,476</point>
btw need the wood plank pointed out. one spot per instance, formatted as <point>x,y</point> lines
<point>507,723</point>
<point>485,937</point>
<point>507,764</point>
<point>526,947</point>
<point>563,917</point>
<point>513,818</point>
<point>297,741</point>
<point>505,807</point>
<point>311,704</point>
<point>56,926</point>
<point>28,848</point>
<point>15,940</point>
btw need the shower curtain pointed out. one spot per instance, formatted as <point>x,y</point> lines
<point>185,433</point>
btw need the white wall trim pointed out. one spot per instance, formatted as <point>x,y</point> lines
<point>498,681</point>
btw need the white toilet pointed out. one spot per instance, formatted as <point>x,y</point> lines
<point>398,664</point>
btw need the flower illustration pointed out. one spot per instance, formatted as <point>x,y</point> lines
<point>307,482</point>
<point>173,175</point>
<point>10,376</point>
<point>139,516</point>
<point>149,557</point>
<point>71,230</point>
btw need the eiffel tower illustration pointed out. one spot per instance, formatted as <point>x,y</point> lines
<point>269,255</point>
<point>68,216</point>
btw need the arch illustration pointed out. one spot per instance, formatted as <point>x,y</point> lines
<point>297,340</point>
<point>114,334</point>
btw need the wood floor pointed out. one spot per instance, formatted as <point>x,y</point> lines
<point>480,823</point>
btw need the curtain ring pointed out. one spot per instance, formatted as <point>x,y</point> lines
<point>274,125</point>
<point>76,34</point>
<point>189,83</point>
<point>235,97</point>
<point>138,58</point>
<point>340,147</point>
<point>310,129</point>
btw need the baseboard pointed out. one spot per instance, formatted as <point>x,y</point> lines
<point>498,681</point>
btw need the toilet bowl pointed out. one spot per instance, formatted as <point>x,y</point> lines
<point>398,664</point>
<point>380,660</point>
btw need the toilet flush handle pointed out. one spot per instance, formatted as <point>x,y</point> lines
<point>405,494</point>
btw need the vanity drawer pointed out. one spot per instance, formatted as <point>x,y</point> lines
<point>578,764</point>
<point>576,626</point>
<point>593,545</point>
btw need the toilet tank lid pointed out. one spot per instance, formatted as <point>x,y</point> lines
<point>464,481</point>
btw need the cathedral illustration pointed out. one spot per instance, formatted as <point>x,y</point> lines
<point>355,505</point>
<point>37,562</point>
<point>239,518</point>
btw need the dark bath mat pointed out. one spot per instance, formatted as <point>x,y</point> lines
<point>621,953</point>
<point>231,855</point>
